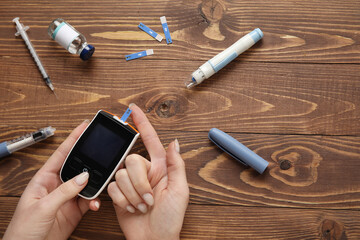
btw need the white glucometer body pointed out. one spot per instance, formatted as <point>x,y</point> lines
<point>100,150</point>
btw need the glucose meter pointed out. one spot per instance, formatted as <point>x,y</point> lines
<point>100,150</point>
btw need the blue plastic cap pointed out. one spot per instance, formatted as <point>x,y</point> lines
<point>3,150</point>
<point>257,34</point>
<point>87,52</point>
<point>237,150</point>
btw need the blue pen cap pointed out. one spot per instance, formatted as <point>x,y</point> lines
<point>3,150</point>
<point>87,52</point>
<point>237,150</point>
<point>256,34</point>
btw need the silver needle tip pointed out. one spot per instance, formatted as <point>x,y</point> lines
<point>55,95</point>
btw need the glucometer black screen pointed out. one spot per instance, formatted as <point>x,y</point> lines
<point>102,145</point>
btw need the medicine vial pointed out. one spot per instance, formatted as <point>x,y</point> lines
<point>68,37</point>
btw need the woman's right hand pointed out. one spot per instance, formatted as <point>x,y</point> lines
<point>150,197</point>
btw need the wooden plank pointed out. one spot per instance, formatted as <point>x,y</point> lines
<point>310,31</point>
<point>224,222</point>
<point>303,78</point>
<point>304,171</point>
<point>244,97</point>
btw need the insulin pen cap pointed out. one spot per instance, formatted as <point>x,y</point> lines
<point>87,52</point>
<point>237,150</point>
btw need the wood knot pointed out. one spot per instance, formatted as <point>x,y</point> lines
<point>285,164</point>
<point>163,103</point>
<point>164,107</point>
<point>167,109</point>
<point>211,10</point>
<point>332,230</point>
<point>296,165</point>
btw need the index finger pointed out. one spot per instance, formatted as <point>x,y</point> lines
<point>148,134</point>
<point>57,159</point>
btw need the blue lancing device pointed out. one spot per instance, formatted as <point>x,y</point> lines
<point>139,54</point>
<point>237,150</point>
<point>150,32</point>
<point>166,29</point>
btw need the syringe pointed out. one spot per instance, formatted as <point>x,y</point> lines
<point>8,147</point>
<point>21,30</point>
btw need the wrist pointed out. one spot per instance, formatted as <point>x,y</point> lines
<point>175,237</point>
<point>9,234</point>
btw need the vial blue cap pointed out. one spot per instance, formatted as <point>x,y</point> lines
<point>87,52</point>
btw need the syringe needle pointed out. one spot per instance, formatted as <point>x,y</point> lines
<point>55,95</point>
<point>48,82</point>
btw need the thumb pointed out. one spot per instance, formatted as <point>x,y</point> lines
<point>66,192</point>
<point>175,167</point>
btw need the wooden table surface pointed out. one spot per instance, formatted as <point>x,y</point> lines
<point>293,98</point>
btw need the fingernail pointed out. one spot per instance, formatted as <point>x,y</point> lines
<point>142,207</point>
<point>130,209</point>
<point>149,199</point>
<point>177,146</point>
<point>82,178</point>
<point>97,205</point>
<point>86,121</point>
<point>131,104</point>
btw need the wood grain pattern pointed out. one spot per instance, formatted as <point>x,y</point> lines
<point>293,98</point>
<point>310,31</point>
<point>225,222</point>
<point>304,171</point>
<point>244,97</point>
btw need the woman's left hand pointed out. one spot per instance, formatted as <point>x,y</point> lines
<point>48,208</point>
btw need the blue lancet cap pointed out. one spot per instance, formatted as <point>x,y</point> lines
<point>87,52</point>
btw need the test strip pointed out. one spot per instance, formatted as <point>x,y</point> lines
<point>150,32</point>
<point>139,54</point>
<point>166,29</point>
<point>125,115</point>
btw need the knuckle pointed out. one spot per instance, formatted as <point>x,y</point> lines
<point>111,187</point>
<point>132,159</point>
<point>181,163</point>
<point>139,185</point>
<point>42,206</point>
<point>65,188</point>
<point>117,199</point>
<point>120,201</point>
<point>149,138</point>
<point>121,174</point>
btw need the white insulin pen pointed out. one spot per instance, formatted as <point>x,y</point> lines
<point>8,147</point>
<point>222,59</point>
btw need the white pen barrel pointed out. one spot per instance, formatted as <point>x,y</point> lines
<point>240,46</point>
<point>222,59</point>
<point>234,50</point>
<point>13,147</point>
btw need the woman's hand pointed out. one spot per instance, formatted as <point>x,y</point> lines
<point>48,208</point>
<point>150,198</point>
